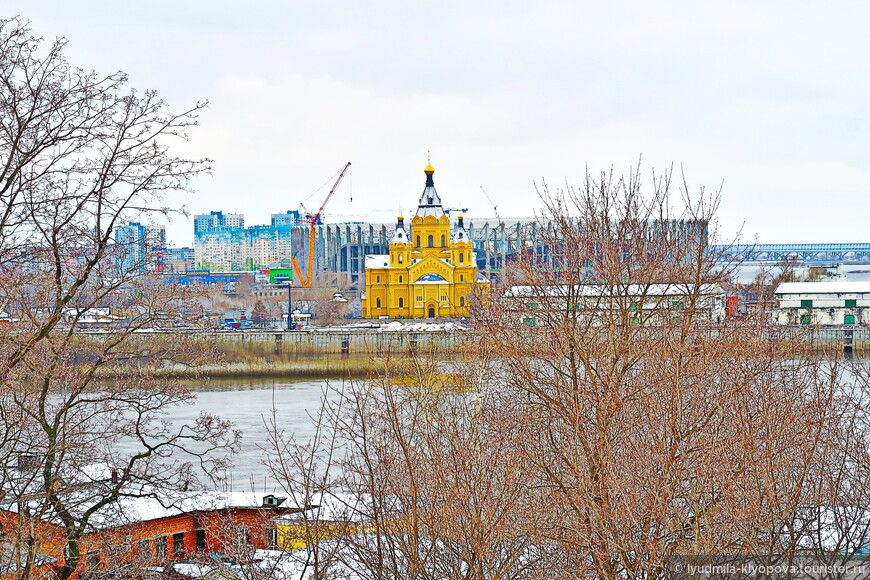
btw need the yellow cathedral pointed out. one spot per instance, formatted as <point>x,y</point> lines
<point>429,272</point>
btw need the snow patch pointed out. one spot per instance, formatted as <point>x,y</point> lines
<point>396,326</point>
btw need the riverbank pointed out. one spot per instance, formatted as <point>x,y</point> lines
<point>325,367</point>
<point>360,354</point>
<point>295,355</point>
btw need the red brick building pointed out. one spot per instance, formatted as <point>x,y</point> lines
<point>152,531</point>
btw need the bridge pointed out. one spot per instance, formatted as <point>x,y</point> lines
<point>803,253</point>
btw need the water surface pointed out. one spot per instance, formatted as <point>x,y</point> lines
<point>250,404</point>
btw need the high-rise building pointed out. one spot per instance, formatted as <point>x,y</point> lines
<point>217,219</point>
<point>218,240</point>
<point>140,248</point>
<point>155,238</point>
<point>219,248</point>
<point>267,247</point>
<point>290,218</point>
<point>221,242</point>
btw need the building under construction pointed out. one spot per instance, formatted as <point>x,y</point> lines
<point>341,248</point>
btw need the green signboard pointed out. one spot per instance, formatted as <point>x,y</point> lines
<point>280,275</point>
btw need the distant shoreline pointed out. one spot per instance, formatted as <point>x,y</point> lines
<point>295,355</point>
<point>334,367</point>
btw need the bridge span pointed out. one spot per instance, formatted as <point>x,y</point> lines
<point>803,253</point>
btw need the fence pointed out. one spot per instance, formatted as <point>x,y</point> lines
<point>370,342</point>
<point>840,338</point>
<point>343,342</point>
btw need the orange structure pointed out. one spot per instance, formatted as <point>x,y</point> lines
<point>314,220</point>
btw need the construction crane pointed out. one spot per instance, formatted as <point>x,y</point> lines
<point>494,206</point>
<point>486,242</point>
<point>312,221</point>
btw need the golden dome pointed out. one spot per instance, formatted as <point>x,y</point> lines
<point>429,169</point>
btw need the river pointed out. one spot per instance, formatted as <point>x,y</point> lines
<point>249,404</point>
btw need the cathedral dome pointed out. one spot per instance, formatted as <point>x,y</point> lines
<point>430,203</point>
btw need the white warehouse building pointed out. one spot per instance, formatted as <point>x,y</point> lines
<point>823,303</point>
<point>650,299</point>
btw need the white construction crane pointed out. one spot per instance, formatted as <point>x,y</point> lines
<point>494,206</point>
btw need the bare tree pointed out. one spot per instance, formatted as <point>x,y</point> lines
<point>608,419</point>
<point>660,431</point>
<point>85,422</point>
<point>329,305</point>
<point>306,472</point>
<point>415,479</point>
<point>259,315</point>
<point>767,279</point>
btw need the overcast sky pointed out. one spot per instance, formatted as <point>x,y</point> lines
<point>768,100</point>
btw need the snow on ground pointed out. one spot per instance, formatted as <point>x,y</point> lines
<point>346,327</point>
<point>396,326</point>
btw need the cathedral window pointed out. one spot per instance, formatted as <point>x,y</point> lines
<point>418,241</point>
<point>461,258</point>
<point>400,279</point>
<point>378,303</point>
<point>462,301</point>
<point>377,279</point>
<point>431,242</point>
<point>400,258</point>
<point>442,241</point>
<point>401,302</point>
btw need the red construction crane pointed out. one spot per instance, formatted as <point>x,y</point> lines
<point>313,220</point>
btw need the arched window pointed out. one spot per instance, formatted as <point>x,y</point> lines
<point>400,281</point>
<point>442,241</point>
<point>431,242</point>
<point>462,301</point>
<point>378,303</point>
<point>418,241</point>
<point>378,280</point>
<point>400,258</point>
<point>462,278</point>
<point>461,258</point>
<point>401,302</point>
